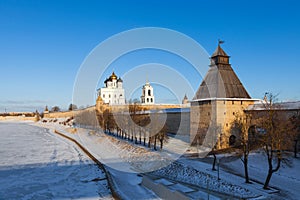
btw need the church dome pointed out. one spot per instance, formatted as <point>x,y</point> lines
<point>113,76</point>
<point>120,80</point>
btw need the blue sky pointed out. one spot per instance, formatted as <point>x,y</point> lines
<point>43,43</point>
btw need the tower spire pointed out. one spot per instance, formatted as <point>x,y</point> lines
<point>219,56</point>
<point>147,79</point>
<point>220,80</point>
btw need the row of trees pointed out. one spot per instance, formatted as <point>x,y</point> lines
<point>270,129</point>
<point>134,125</point>
<point>87,119</point>
<point>58,109</point>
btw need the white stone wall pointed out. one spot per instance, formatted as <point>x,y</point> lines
<point>112,96</point>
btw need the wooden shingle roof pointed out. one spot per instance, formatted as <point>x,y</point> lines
<point>221,81</point>
<point>219,52</point>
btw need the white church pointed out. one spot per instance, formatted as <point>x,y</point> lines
<point>113,93</point>
<point>147,97</point>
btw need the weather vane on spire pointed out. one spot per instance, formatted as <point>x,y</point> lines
<point>220,41</point>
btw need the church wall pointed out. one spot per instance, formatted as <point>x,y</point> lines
<point>114,93</point>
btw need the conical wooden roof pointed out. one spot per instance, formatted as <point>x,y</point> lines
<point>221,81</point>
<point>219,52</point>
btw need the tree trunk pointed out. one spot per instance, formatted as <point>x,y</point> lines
<point>271,171</point>
<point>214,163</point>
<point>155,143</point>
<point>266,185</point>
<point>295,148</point>
<point>246,168</point>
<point>140,134</point>
<point>149,142</point>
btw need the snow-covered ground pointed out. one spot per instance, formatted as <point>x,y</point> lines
<point>37,164</point>
<point>125,160</point>
<point>286,180</point>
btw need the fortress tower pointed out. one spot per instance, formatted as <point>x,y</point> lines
<point>220,98</point>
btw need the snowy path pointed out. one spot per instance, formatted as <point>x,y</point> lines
<point>35,164</point>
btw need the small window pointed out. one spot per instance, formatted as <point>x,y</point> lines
<point>151,100</point>
<point>147,100</point>
<point>208,113</point>
<point>224,102</point>
<point>233,113</point>
<point>103,95</point>
<point>109,96</point>
<point>149,92</point>
<point>232,102</point>
<point>241,102</point>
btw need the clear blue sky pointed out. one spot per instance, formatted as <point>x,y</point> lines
<point>43,43</point>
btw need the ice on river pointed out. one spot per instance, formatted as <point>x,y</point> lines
<point>36,164</point>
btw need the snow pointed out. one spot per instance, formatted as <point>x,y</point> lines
<point>287,179</point>
<point>119,158</point>
<point>291,105</point>
<point>126,161</point>
<point>36,164</point>
<point>179,171</point>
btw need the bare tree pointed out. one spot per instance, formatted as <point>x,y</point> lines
<point>295,136</point>
<point>213,133</point>
<point>135,114</point>
<point>144,121</point>
<point>87,118</point>
<point>242,123</point>
<point>108,121</point>
<point>274,140</point>
<point>162,136</point>
<point>55,109</point>
<point>157,131</point>
<point>72,107</point>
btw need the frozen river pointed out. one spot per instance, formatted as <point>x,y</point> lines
<point>36,164</point>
